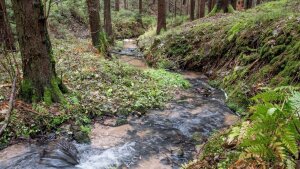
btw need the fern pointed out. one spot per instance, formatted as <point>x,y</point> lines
<point>273,131</point>
<point>295,101</point>
<point>289,140</point>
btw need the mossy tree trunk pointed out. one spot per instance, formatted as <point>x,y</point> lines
<point>6,36</point>
<point>107,19</point>
<point>40,81</point>
<point>161,16</point>
<point>94,20</point>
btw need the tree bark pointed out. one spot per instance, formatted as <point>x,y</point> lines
<point>94,20</point>
<point>249,4</point>
<point>201,8</point>
<point>161,16</point>
<point>140,6</point>
<point>6,36</point>
<point>39,77</point>
<point>233,4</point>
<point>258,2</point>
<point>175,8</point>
<point>211,5</point>
<point>192,11</point>
<point>125,4</point>
<point>107,18</point>
<point>117,5</point>
<point>222,5</point>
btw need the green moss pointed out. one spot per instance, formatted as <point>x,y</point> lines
<point>56,92</point>
<point>47,96</point>
<point>235,29</point>
<point>27,91</point>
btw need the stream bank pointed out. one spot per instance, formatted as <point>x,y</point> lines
<point>160,139</point>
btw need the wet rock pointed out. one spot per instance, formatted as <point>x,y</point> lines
<point>178,152</point>
<point>60,153</point>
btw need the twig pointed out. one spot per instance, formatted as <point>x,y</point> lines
<point>11,106</point>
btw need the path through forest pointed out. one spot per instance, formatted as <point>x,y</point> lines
<point>160,139</point>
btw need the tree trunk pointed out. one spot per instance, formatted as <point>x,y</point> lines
<point>187,7</point>
<point>107,18</point>
<point>198,9</point>
<point>161,16</point>
<point>175,8</point>
<point>233,4</point>
<point>201,8</point>
<point>192,11</point>
<point>258,2</point>
<point>211,5</point>
<point>6,36</point>
<point>125,4</point>
<point>94,19</point>
<point>140,6</point>
<point>117,5</point>
<point>249,4</point>
<point>39,77</point>
<point>222,5</point>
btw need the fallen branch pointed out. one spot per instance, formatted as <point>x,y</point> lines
<point>10,108</point>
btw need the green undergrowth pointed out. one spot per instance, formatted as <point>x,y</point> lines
<point>97,87</point>
<point>245,51</point>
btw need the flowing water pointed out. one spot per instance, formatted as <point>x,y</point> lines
<point>161,139</point>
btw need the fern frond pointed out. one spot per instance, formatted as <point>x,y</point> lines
<point>295,101</point>
<point>290,142</point>
<point>290,163</point>
<point>279,150</point>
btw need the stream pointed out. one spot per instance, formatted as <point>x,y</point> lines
<point>160,139</point>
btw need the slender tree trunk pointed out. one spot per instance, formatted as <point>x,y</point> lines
<point>181,7</point>
<point>198,9</point>
<point>249,4</point>
<point>107,18</point>
<point>140,6</point>
<point>233,4</point>
<point>125,4</point>
<point>161,16</point>
<point>175,8</point>
<point>6,36</point>
<point>192,11</point>
<point>94,19</point>
<point>258,2</point>
<point>117,5</point>
<point>39,77</point>
<point>222,5</point>
<point>209,5</point>
<point>202,8</point>
<point>187,7</point>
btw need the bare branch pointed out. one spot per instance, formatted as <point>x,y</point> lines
<point>10,108</point>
